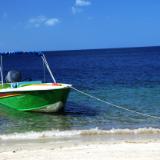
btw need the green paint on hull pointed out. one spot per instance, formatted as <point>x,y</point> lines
<point>34,100</point>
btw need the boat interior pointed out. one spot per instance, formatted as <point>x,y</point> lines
<point>14,82</point>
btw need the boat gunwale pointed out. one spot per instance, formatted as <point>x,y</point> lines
<point>32,88</point>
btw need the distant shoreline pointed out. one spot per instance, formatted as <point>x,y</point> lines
<point>95,49</point>
<point>144,48</point>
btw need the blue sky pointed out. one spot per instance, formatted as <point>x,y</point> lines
<point>33,25</point>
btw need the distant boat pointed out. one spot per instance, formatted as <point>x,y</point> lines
<point>33,96</point>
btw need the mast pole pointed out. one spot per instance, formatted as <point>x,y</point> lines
<point>47,66</point>
<point>1,69</point>
<point>44,71</point>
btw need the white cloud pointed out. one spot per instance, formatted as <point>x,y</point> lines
<point>82,3</point>
<point>76,10</point>
<point>52,21</point>
<point>43,21</point>
<point>79,4</point>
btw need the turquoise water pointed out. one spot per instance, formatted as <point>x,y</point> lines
<point>126,77</point>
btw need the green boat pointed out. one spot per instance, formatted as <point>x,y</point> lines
<point>33,96</point>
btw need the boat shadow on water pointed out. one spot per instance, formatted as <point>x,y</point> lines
<point>74,109</point>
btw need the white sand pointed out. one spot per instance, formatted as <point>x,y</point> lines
<point>82,151</point>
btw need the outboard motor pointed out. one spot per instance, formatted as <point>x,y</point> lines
<point>13,76</point>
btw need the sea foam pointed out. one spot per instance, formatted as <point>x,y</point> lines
<point>73,133</point>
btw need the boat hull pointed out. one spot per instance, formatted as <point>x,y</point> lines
<point>37,101</point>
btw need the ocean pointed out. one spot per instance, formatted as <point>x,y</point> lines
<point>129,77</point>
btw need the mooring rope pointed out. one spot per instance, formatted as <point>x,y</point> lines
<point>114,105</point>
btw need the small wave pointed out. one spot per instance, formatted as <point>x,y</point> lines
<point>73,133</point>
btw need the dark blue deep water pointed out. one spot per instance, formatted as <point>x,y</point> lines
<point>126,77</point>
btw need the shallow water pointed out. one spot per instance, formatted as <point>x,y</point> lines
<point>126,77</point>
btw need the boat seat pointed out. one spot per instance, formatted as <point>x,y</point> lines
<point>24,83</point>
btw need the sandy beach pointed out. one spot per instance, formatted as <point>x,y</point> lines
<point>81,151</point>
